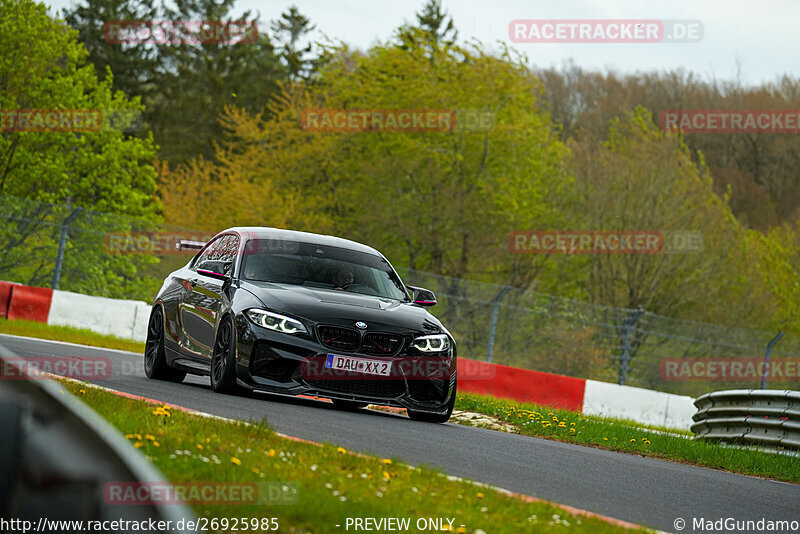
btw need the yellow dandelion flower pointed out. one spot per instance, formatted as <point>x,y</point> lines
<point>128,436</point>
<point>156,444</point>
<point>199,447</point>
<point>386,475</point>
<point>254,470</point>
<point>461,530</point>
<point>633,440</point>
<point>605,439</point>
<point>341,450</point>
<point>236,461</point>
<point>480,495</point>
<point>271,453</point>
<point>83,391</point>
<point>386,461</point>
<point>572,424</point>
<point>149,437</point>
<point>208,440</point>
<point>138,436</point>
<point>138,444</point>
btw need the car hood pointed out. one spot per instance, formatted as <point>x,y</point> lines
<point>341,308</point>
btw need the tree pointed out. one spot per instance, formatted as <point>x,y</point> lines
<point>643,179</point>
<point>434,24</point>
<point>289,30</point>
<point>199,80</point>
<point>44,67</point>
<point>184,87</point>
<point>134,66</point>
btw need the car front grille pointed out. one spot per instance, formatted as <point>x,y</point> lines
<point>338,338</point>
<point>381,344</point>
<point>384,389</point>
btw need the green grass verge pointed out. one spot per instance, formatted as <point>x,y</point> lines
<point>69,334</point>
<point>625,436</point>
<point>332,484</point>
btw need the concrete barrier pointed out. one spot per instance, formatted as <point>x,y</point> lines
<point>29,303</point>
<point>117,317</point>
<point>589,397</point>
<point>637,404</point>
<point>524,385</point>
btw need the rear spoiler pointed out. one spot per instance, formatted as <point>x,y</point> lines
<point>183,244</point>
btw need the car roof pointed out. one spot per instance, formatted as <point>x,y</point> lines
<point>263,232</point>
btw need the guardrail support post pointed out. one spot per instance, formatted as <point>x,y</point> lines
<point>767,355</point>
<point>493,324</point>
<point>625,354</point>
<point>62,243</point>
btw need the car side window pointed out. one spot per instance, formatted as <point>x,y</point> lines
<point>227,249</point>
<point>220,255</point>
<point>207,253</point>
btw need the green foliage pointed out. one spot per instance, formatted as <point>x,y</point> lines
<point>43,66</point>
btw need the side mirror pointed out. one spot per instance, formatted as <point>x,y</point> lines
<point>423,297</point>
<point>221,270</point>
<point>212,274</point>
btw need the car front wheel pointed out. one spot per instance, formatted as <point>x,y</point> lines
<point>223,360</point>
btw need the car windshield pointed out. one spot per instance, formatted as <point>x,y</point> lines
<point>321,266</point>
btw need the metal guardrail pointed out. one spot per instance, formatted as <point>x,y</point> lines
<point>752,416</point>
<point>57,457</point>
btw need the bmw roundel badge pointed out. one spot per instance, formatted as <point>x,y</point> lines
<point>361,324</point>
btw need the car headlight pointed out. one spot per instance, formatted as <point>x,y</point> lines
<point>433,343</point>
<point>277,322</point>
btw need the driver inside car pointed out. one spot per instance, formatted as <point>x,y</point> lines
<point>342,279</point>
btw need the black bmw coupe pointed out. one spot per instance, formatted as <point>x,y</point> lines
<point>299,313</point>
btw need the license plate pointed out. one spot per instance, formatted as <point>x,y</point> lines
<point>358,365</point>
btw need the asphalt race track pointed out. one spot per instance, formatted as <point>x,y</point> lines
<point>640,490</point>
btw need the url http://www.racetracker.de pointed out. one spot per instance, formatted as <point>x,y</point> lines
<point>145,526</point>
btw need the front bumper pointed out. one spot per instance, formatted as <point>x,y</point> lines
<point>295,365</point>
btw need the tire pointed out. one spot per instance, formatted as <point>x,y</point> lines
<point>223,359</point>
<point>429,417</point>
<point>155,362</point>
<point>347,405</point>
